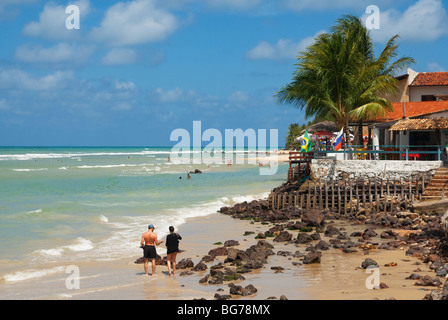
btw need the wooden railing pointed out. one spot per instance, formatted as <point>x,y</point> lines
<point>302,160</point>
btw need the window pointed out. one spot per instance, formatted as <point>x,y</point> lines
<point>429,98</point>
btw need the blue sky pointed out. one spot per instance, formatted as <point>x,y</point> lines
<point>138,69</point>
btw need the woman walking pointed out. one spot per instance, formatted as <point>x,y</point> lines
<point>172,246</point>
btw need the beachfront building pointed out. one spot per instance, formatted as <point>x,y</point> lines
<point>418,120</point>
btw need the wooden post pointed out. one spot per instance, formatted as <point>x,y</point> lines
<point>308,203</point>
<point>395,187</point>
<point>403,185</point>
<point>345,198</point>
<point>363,194</point>
<point>377,200</point>
<point>315,196</point>
<point>357,193</point>
<point>326,195</point>
<point>339,198</point>
<point>302,201</point>
<point>391,204</point>
<point>351,197</point>
<point>332,196</point>
<point>423,183</point>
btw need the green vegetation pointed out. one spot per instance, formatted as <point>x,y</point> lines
<point>339,76</point>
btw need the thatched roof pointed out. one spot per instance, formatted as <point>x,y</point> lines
<point>323,126</point>
<point>420,124</point>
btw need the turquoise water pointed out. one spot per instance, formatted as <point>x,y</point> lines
<point>79,204</point>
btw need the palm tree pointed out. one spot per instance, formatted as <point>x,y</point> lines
<point>339,75</point>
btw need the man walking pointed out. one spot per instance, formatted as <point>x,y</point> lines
<point>149,243</point>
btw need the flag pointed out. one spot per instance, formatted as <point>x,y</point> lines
<point>338,141</point>
<point>306,143</point>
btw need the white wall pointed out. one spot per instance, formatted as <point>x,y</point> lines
<point>351,169</point>
<point>415,93</point>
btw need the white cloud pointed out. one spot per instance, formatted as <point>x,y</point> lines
<point>123,85</point>
<point>17,79</point>
<point>135,22</point>
<point>119,56</point>
<point>425,20</point>
<point>283,49</point>
<point>435,67</point>
<point>52,22</point>
<point>60,53</point>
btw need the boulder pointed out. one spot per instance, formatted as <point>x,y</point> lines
<point>313,218</point>
<point>312,257</point>
<point>283,236</point>
<point>184,264</point>
<point>369,262</point>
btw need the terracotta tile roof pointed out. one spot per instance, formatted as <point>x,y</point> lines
<point>420,124</point>
<point>414,109</point>
<point>431,79</point>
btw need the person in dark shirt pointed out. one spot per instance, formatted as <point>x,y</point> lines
<point>172,246</point>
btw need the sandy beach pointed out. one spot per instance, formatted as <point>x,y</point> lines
<point>337,277</point>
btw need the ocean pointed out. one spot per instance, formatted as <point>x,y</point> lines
<point>64,205</point>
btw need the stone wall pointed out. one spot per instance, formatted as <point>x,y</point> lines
<point>352,169</point>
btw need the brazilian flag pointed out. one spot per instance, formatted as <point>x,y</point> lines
<point>306,143</point>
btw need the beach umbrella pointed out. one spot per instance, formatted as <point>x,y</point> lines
<point>325,126</point>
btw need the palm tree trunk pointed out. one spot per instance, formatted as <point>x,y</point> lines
<point>360,135</point>
<point>346,134</point>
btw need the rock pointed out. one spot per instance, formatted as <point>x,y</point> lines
<point>235,289</point>
<point>159,260</point>
<point>260,235</point>
<point>249,290</point>
<point>414,276</point>
<point>283,236</point>
<point>313,218</point>
<point>222,297</point>
<point>231,243</point>
<point>200,267</point>
<point>221,251</point>
<point>383,286</point>
<point>322,245</point>
<point>368,262</point>
<point>331,231</point>
<point>303,238</point>
<point>204,279</point>
<point>283,297</point>
<point>427,281</point>
<point>234,254</point>
<point>184,264</point>
<point>370,233</point>
<point>312,257</point>
<point>196,171</point>
<point>207,258</point>
<point>405,233</point>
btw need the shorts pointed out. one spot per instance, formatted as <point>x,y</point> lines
<point>149,252</point>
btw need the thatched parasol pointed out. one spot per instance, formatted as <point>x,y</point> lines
<point>326,125</point>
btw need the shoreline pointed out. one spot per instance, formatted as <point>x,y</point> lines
<point>337,276</point>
